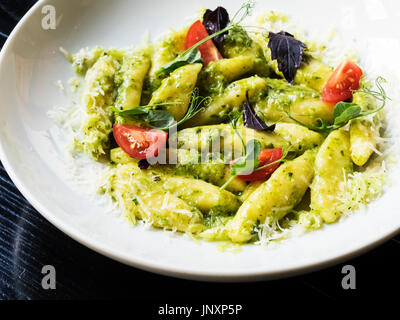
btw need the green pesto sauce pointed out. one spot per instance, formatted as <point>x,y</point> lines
<point>211,81</point>
<point>238,42</point>
<point>279,96</point>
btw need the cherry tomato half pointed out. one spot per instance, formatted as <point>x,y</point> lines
<point>208,50</point>
<point>342,82</point>
<point>138,142</point>
<point>266,156</point>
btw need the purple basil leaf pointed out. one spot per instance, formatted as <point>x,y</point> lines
<point>143,164</point>
<point>288,51</point>
<point>251,120</point>
<point>215,21</point>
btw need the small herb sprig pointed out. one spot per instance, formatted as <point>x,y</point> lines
<point>192,54</point>
<point>161,119</point>
<point>346,111</point>
<point>249,161</point>
<point>185,58</point>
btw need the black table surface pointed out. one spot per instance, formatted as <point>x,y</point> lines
<point>28,242</point>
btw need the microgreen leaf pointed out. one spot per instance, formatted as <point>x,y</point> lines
<point>235,118</point>
<point>340,107</point>
<point>288,51</point>
<point>138,111</point>
<point>250,118</point>
<point>189,57</point>
<point>196,105</point>
<point>153,117</point>
<point>346,111</point>
<point>183,58</point>
<point>249,162</point>
<point>253,149</point>
<point>244,11</point>
<point>379,95</point>
<point>160,118</point>
<point>250,159</point>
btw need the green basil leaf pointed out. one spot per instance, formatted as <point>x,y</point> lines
<point>238,164</point>
<point>190,57</point>
<point>339,108</point>
<point>159,119</point>
<point>345,112</point>
<point>248,163</point>
<point>253,149</point>
<point>156,117</point>
<point>131,113</point>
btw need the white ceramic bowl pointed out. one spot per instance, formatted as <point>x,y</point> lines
<point>30,64</point>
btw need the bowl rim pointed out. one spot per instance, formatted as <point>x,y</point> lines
<point>158,267</point>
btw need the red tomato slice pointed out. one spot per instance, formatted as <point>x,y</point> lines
<point>342,82</point>
<point>208,50</point>
<point>266,156</point>
<point>138,142</point>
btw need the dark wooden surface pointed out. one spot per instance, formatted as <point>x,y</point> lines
<point>28,242</point>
